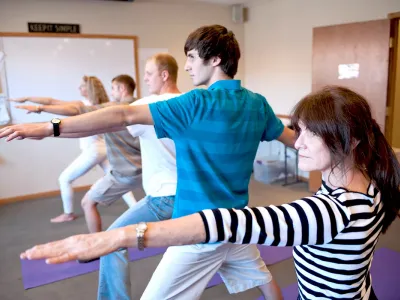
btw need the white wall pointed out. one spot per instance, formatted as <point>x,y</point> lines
<point>278,44</point>
<point>28,167</point>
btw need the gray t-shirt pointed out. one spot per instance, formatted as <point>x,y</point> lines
<point>123,150</point>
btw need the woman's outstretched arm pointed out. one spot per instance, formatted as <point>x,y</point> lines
<point>311,220</point>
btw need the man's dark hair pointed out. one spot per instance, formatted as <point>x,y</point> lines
<point>216,41</point>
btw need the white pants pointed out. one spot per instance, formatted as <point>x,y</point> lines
<point>86,161</point>
<point>185,271</point>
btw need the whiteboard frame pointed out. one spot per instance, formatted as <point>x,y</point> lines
<point>134,38</point>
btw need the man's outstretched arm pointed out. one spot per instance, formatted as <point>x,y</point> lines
<point>103,120</point>
<point>107,119</point>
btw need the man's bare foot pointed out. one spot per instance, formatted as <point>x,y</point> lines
<point>63,218</point>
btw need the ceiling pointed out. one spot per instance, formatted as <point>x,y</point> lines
<point>227,2</point>
<point>222,2</point>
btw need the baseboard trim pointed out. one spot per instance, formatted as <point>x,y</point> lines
<point>302,178</point>
<point>40,195</point>
<point>57,193</point>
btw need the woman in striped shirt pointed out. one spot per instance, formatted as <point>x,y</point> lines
<point>334,232</point>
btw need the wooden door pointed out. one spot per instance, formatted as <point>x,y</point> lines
<point>356,56</point>
<point>392,124</point>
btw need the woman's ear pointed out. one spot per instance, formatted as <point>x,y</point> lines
<point>354,144</point>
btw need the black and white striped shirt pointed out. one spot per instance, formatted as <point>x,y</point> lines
<point>334,233</point>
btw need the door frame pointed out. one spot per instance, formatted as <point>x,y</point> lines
<point>393,90</point>
<point>393,100</point>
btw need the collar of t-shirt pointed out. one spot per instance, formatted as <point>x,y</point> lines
<point>128,100</point>
<point>229,84</point>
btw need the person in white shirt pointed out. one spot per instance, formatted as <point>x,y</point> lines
<point>159,177</point>
<point>93,147</point>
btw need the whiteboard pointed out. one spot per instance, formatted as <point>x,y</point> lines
<point>4,114</point>
<point>54,67</point>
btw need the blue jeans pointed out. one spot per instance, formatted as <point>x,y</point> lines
<point>114,281</point>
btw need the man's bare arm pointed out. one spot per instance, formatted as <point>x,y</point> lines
<point>103,120</point>
<point>288,137</point>
<point>90,133</point>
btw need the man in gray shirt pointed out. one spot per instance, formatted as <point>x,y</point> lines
<point>123,153</point>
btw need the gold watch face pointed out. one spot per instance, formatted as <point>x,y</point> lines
<point>142,226</point>
<point>56,121</point>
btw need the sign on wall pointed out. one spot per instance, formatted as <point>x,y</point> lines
<point>348,71</point>
<point>54,28</point>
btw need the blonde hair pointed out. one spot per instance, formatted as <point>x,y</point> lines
<point>95,90</point>
<point>166,62</point>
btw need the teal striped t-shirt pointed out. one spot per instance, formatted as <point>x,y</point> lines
<point>216,132</point>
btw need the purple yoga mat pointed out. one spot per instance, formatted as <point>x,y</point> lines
<point>273,255</point>
<point>289,293</point>
<point>385,272</point>
<point>36,272</point>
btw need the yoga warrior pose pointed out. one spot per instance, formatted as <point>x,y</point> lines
<point>334,232</point>
<point>93,147</point>
<point>216,133</point>
<point>122,149</point>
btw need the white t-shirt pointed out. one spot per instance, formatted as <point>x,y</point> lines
<point>159,173</point>
<point>94,142</point>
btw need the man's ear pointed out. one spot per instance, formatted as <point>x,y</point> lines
<point>215,61</point>
<point>164,75</point>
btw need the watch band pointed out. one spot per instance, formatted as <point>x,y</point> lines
<point>56,129</point>
<point>56,126</point>
<point>140,230</point>
<point>140,241</point>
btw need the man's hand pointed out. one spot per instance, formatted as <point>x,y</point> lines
<point>288,137</point>
<point>30,108</point>
<point>19,100</point>
<point>34,131</point>
<point>82,247</point>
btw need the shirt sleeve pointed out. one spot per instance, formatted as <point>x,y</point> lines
<point>308,221</point>
<point>273,127</point>
<point>171,118</point>
<point>137,129</point>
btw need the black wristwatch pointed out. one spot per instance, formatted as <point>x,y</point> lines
<point>56,126</point>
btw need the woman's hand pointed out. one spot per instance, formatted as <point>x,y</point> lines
<point>82,247</point>
<point>19,100</point>
<point>30,108</point>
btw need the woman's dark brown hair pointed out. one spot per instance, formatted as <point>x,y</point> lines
<point>342,118</point>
